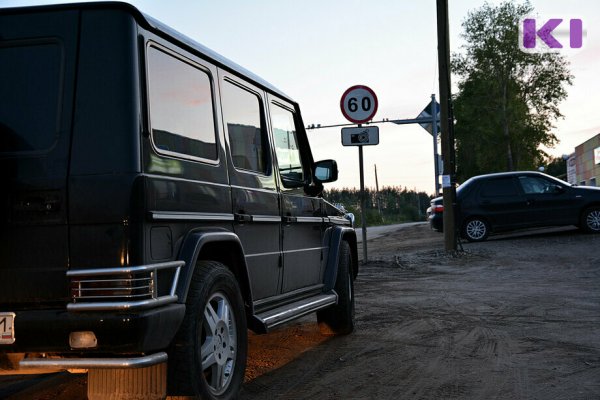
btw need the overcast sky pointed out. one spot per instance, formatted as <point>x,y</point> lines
<point>313,50</point>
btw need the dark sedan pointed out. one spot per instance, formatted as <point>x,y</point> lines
<point>513,200</point>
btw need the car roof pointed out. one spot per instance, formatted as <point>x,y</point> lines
<point>163,30</point>
<point>505,174</point>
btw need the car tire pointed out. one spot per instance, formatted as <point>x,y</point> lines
<point>208,358</point>
<point>339,319</point>
<point>476,230</point>
<point>590,220</point>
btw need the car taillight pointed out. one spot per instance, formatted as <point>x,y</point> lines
<point>438,208</point>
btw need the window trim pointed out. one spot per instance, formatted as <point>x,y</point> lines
<point>305,171</point>
<point>211,80</point>
<point>264,129</point>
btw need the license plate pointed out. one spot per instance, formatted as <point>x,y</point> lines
<point>7,327</point>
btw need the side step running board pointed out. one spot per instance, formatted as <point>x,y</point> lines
<point>288,312</point>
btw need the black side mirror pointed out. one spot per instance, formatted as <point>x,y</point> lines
<point>326,171</point>
<point>558,189</point>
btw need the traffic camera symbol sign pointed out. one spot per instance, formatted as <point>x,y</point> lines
<point>360,136</point>
<point>359,104</point>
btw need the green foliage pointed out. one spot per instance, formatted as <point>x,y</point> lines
<point>556,166</point>
<point>507,99</point>
<point>391,205</point>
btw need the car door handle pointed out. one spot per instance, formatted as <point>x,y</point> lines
<point>242,218</point>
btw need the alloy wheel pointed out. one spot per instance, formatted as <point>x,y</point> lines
<point>219,343</point>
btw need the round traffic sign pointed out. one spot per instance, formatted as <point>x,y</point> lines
<point>359,104</point>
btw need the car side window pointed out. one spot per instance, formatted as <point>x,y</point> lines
<point>242,113</point>
<point>181,107</point>
<point>535,185</point>
<point>503,187</point>
<point>286,144</point>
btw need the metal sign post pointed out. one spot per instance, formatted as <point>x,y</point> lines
<point>432,110</point>
<point>359,105</point>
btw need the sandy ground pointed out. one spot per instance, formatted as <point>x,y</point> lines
<point>516,317</point>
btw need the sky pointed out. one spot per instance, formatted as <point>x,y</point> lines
<point>313,50</point>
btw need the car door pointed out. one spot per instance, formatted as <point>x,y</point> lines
<point>255,198</point>
<point>500,201</point>
<point>38,62</point>
<point>550,202</point>
<point>302,221</point>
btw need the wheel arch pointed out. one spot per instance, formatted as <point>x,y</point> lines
<point>214,245</point>
<point>333,240</point>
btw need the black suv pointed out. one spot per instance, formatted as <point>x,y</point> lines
<point>514,200</point>
<point>157,200</point>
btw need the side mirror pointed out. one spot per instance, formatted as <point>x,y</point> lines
<point>326,171</point>
<point>558,189</point>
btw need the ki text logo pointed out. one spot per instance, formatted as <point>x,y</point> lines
<point>538,35</point>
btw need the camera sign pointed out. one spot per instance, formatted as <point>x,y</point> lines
<point>359,104</point>
<point>361,136</point>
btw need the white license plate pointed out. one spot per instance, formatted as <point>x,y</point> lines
<point>7,327</point>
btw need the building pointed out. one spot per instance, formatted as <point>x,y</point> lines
<point>586,162</point>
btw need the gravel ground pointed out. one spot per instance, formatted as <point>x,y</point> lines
<point>515,317</point>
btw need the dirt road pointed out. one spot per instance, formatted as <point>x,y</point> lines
<point>516,317</point>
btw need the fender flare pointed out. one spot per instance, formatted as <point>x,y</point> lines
<point>335,236</point>
<point>193,245</point>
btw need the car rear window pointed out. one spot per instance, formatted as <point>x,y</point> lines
<point>30,87</point>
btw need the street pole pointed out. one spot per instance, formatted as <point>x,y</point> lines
<point>447,122</point>
<point>434,132</point>
<point>363,215</point>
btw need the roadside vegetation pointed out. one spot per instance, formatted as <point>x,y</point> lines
<point>390,205</point>
<point>508,100</point>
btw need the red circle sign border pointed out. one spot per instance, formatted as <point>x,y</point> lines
<point>368,89</point>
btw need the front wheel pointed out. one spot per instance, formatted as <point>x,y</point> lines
<point>590,220</point>
<point>208,359</point>
<point>339,319</point>
<point>476,230</point>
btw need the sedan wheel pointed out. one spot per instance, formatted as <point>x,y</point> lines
<point>591,220</point>
<point>476,230</point>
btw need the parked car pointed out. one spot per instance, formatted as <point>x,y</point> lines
<point>492,203</point>
<point>157,201</point>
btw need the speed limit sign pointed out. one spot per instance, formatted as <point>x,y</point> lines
<point>359,104</point>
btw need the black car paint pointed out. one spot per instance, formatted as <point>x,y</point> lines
<point>562,206</point>
<point>101,196</point>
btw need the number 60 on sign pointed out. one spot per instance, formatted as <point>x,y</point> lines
<point>359,104</point>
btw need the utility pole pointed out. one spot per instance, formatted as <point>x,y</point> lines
<point>377,197</point>
<point>447,122</point>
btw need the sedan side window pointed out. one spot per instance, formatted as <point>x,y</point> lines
<point>535,185</point>
<point>503,187</point>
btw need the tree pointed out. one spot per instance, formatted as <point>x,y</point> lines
<point>507,99</point>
